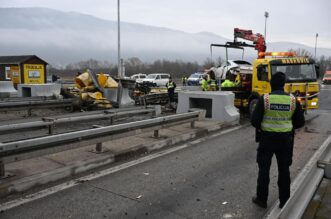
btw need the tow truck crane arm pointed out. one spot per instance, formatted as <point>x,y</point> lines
<point>257,39</point>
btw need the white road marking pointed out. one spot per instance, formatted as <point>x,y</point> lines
<point>72,183</point>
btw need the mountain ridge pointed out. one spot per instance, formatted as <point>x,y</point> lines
<point>65,37</point>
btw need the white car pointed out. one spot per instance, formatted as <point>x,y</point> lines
<point>231,66</point>
<point>157,79</point>
<point>139,77</point>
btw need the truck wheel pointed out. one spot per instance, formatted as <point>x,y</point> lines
<point>252,105</point>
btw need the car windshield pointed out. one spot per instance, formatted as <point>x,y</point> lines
<point>142,76</point>
<point>151,76</point>
<point>296,73</point>
<point>327,76</point>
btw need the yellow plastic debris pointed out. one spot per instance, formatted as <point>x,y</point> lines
<point>89,96</point>
<point>90,88</point>
<point>111,83</point>
<point>83,80</point>
<point>96,95</point>
<point>102,79</point>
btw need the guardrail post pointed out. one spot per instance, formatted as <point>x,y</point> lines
<point>51,127</point>
<point>192,124</point>
<point>326,166</point>
<point>156,134</point>
<point>29,111</point>
<point>144,102</point>
<point>98,147</point>
<point>2,169</point>
<point>111,120</point>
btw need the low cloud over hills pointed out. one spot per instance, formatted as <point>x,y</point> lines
<point>65,37</point>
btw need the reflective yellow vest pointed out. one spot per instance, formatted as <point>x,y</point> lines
<point>278,111</point>
<point>228,83</point>
<point>204,85</point>
<point>213,85</point>
<point>170,85</point>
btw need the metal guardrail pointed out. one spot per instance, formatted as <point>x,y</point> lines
<point>304,185</point>
<point>25,149</point>
<point>20,99</point>
<point>35,104</point>
<point>52,122</point>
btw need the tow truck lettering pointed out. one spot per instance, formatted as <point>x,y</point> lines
<point>295,61</point>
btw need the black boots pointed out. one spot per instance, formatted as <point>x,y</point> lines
<point>259,203</point>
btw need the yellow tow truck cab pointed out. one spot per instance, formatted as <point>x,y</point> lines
<point>301,79</point>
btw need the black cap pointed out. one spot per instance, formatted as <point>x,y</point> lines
<point>277,81</point>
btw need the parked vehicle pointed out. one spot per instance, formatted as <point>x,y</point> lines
<point>139,77</point>
<point>327,77</point>
<point>157,79</point>
<point>195,79</point>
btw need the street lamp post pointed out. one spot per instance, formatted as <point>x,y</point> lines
<point>119,66</point>
<point>316,44</point>
<point>119,63</point>
<point>266,15</point>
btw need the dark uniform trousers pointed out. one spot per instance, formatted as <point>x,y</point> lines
<point>171,93</point>
<point>280,144</point>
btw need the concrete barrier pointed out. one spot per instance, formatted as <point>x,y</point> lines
<point>219,106</point>
<point>7,89</point>
<point>111,95</point>
<point>191,88</point>
<point>38,90</point>
<point>123,99</point>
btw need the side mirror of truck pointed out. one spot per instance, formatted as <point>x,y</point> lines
<point>317,69</point>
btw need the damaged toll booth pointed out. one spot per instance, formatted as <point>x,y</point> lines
<point>28,69</point>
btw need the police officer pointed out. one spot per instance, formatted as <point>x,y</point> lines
<point>275,117</point>
<point>212,85</point>
<point>184,81</point>
<point>204,83</point>
<point>171,90</point>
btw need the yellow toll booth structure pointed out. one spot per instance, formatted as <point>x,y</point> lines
<point>28,69</point>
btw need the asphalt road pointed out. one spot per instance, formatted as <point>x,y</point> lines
<point>215,178</point>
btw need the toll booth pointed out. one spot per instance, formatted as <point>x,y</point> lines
<point>29,69</point>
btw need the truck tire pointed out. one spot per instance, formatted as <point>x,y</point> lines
<point>252,105</point>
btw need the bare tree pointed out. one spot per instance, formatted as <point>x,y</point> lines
<point>302,52</point>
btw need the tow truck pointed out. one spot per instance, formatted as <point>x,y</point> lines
<point>301,78</point>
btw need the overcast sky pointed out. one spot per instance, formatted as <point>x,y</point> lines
<point>289,20</point>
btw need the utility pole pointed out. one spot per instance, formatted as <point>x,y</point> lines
<point>266,15</point>
<point>315,45</point>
